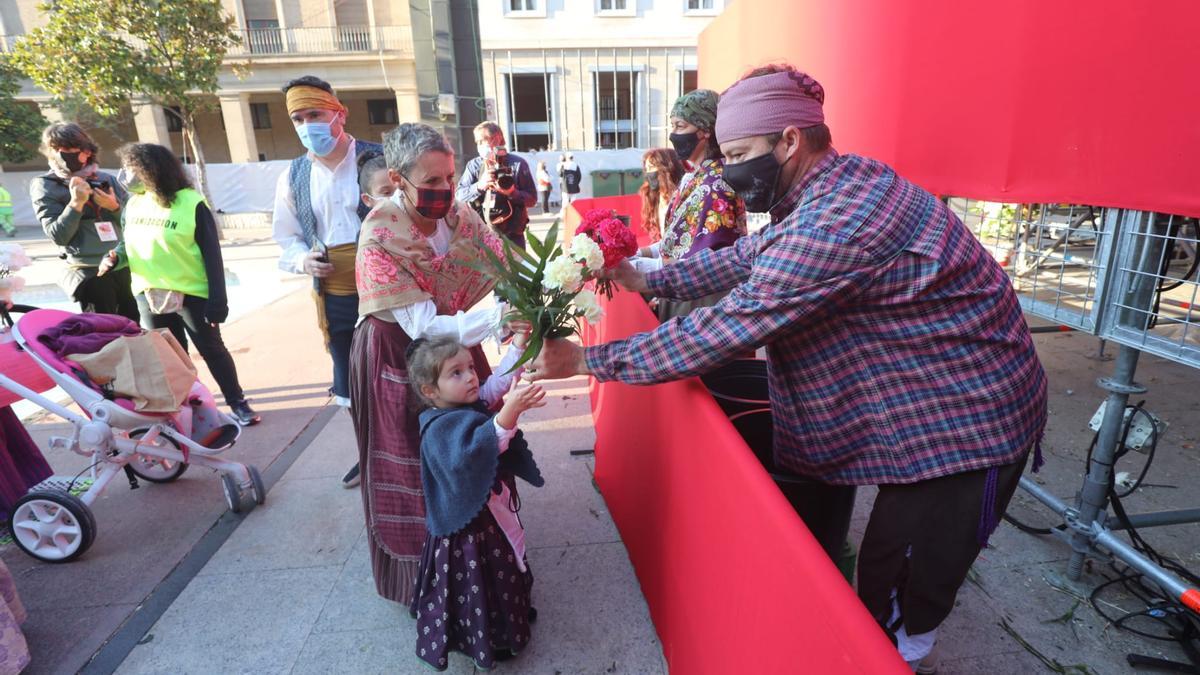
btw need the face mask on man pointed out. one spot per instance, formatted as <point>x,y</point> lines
<point>71,160</point>
<point>317,137</point>
<point>685,144</point>
<point>431,203</point>
<point>755,180</point>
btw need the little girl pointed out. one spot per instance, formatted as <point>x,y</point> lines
<point>473,583</point>
<point>373,179</point>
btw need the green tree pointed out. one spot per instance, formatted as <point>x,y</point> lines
<point>21,124</point>
<point>106,52</point>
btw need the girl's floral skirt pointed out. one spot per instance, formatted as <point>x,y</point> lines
<point>471,597</point>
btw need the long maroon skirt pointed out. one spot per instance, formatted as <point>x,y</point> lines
<point>385,424</point>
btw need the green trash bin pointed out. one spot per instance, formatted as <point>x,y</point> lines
<point>606,183</point>
<point>632,182</point>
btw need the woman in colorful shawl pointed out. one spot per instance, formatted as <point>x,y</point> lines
<point>705,212</point>
<point>414,280</point>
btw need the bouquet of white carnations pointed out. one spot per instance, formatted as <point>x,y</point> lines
<point>544,286</point>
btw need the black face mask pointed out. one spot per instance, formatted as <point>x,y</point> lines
<point>71,160</point>
<point>685,144</point>
<point>652,179</point>
<point>755,181</point>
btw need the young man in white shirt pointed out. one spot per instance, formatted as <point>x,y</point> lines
<point>317,218</point>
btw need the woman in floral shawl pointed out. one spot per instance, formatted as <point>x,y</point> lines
<point>705,213</point>
<point>413,281</point>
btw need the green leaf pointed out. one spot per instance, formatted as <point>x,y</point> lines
<point>531,351</point>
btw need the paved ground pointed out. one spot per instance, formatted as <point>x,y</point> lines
<point>290,589</point>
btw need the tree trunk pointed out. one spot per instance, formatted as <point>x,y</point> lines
<point>189,136</point>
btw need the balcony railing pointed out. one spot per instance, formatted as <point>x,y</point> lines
<point>323,40</point>
<point>304,41</point>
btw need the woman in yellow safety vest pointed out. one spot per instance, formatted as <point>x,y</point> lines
<point>174,255</point>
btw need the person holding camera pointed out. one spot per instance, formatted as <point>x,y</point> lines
<point>79,208</point>
<point>498,184</point>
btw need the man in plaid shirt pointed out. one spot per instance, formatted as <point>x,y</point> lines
<point>898,355</point>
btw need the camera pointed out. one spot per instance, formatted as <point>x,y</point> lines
<point>97,184</point>
<point>503,176</point>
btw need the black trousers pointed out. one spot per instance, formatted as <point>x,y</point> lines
<point>108,294</point>
<point>190,322</point>
<point>921,539</point>
<point>341,313</point>
<point>545,202</point>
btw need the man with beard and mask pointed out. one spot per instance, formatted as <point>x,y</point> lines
<point>499,184</point>
<point>898,353</point>
<point>79,208</point>
<point>705,213</point>
<point>317,217</point>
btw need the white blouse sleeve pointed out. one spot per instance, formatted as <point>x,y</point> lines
<point>497,385</point>
<point>647,265</point>
<point>470,328</point>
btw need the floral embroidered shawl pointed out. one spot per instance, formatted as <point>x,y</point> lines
<point>397,267</point>
<point>704,213</point>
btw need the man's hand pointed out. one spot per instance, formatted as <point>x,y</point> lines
<point>518,401</point>
<point>106,199</point>
<point>625,274</point>
<point>81,192</point>
<point>315,267</point>
<point>520,330</point>
<point>107,263</point>
<point>558,359</point>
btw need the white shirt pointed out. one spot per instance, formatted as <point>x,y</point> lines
<point>335,198</point>
<point>421,319</point>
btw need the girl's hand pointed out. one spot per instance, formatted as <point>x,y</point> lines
<point>518,401</point>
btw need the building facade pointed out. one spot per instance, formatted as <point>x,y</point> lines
<point>588,74</point>
<point>382,68</point>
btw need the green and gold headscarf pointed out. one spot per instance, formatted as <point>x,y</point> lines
<point>698,107</point>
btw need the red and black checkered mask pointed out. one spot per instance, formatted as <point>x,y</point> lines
<point>433,203</point>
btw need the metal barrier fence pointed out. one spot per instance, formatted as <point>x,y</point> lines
<point>1129,277</point>
<point>1125,276</point>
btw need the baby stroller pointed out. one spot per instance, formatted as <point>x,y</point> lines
<point>51,524</point>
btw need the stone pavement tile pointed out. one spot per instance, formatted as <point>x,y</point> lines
<point>253,622</point>
<point>1018,661</point>
<point>592,617</point>
<point>62,639</point>
<point>330,455</point>
<point>567,510</point>
<point>364,652</point>
<point>354,605</point>
<point>1034,609</point>
<point>305,523</point>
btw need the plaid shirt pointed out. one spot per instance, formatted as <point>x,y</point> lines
<point>896,348</point>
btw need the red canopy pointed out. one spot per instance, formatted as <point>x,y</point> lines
<point>1080,101</point>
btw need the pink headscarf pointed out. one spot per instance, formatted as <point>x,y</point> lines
<point>768,104</point>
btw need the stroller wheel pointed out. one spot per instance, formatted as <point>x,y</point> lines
<point>156,469</point>
<point>257,488</point>
<point>233,493</point>
<point>53,525</point>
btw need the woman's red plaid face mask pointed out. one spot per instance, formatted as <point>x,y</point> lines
<point>432,203</point>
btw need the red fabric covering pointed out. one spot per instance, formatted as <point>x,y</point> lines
<point>1081,101</point>
<point>734,581</point>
